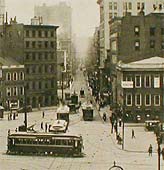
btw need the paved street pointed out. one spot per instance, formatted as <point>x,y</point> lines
<point>100,146</point>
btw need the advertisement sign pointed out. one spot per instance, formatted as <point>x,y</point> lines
<point>127,84</point>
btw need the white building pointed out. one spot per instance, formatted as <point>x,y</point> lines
<point>117,8</point>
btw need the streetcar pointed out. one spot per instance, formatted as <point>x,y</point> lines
<point>87,110</point>
<point>25,143</point>
<point>63,113</point>
<point>59,126</point>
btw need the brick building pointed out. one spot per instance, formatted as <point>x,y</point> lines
<point>11,83</point>
<point>140,88</point>
<point>34,46</point>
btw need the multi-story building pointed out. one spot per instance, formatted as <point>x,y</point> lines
<point>144,38</point>
<point>59,14</point>
<point>140,88</point>
<point>34,46</point>
<point>117,8</point>
<point>11,83</point>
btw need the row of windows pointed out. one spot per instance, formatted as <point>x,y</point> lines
<point>39,33</point>
<point>152,31</point>
<point>39,44</point>
<point>40,56</point>
<point>40,85</point>
<point>149,81</point>
<point>152,45</point>
<point>15,76</point>
<point>138,100</point>
<point>126,5</point>
<point>40,69</point>
<point>14,91</point>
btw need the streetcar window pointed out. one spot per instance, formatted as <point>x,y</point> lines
<point>76,143</point>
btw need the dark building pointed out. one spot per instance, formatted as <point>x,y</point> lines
<point>137,37</point>
<point>11,83</point>
<point>140,88</point>
<point>34,46</point>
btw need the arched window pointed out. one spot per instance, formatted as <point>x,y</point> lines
<point>15,76</point>
<point>15,91</point>
<point>21,90</point>
<point>8,76</point>
<point>21,76</point>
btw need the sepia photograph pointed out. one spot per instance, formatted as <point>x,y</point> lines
<point>81,84</point>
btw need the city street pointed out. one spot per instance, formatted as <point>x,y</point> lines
<point>100,146</point>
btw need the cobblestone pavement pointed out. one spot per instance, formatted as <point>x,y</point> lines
<point>100,146</point>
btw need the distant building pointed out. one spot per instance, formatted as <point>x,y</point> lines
<point>11,83</point>
<point>140,88</point>
<point>34,46</point>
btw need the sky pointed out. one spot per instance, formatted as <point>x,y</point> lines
<point>85,13</point>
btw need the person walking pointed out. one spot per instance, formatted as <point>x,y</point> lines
<point>46,126</point>
<point>41,125</point>
<point>133,135</point>
<point>43,114</point>
<point>150,150</point>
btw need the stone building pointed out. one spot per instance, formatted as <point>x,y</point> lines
<point>140,88</point>
<point>34,46</point>
<point>11,83</point>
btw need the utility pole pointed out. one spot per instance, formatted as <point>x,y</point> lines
<point>123,129</point>
<point>25,107</point>
<point>159,151</point>
<point>62,85</point>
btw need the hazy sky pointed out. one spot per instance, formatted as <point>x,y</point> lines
<point>85,13</point>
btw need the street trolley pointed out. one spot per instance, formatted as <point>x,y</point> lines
<point>87,110</point>
<point>59,126</point>
<point>150,125</point>
<point>63,113</point>
<point>25,143</point>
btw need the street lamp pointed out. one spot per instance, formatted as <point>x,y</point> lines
<point>159,150</point>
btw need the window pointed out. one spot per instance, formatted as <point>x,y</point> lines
<point>21,76</point>
<point>15,76</point>
<point>27,70</point>
<point>33,33</point>
<point>115,14</point>
<point>152,31</point>
<point>39,44</point>
<point>40,85</point>
<point>46,56</point>
<point>138,81</point>
<point>152,43</point>
<point>162,31</point>
<point>125,5</point>
<point>33,85</point>
<point>110,15</point>
<point>52,33</point>
<point>162,45</point>
<point>8,76</point>
<point>27,33</point>
<point>8,91</point>
<point>138,5</point>
<point>33,56</point>
<point>15,91</point>
<point>27,44</point>
<point>137,45</point>
<point>128,78</point>
<point>52,83</point>
<point>143,5</point>
<point>33,69</point>
<point>147,100</point>
<point>46,44</point>
<point>39,33</point>
<point>110,5</point>
<point>115,5</point>
<point>157,81</point>
<point>52,44</point>
<point>138,99</point>
<point>21,90</point>
<point>147,81</point>
<point>129,99</point>
<point>27,56</point>
<point>33,44</point>
<point>130,5</point>
<point>40,69</point>
<point>39,56</point>
<point>46,33</point>
<point>157,100</point>
<point>137,30</point>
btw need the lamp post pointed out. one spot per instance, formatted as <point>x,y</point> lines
<point>159,150</point>
<point>62,85</point>
<point>123,129</point>
<point>25,107</point>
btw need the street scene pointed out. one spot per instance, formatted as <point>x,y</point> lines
<point>81,85</point>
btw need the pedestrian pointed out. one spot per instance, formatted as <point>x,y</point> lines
<point>41,125</point>
<point>104,117</point>
<point>49,128</point>
<point>16,130</point>
<point>43,114</point>
<point>133,136</point>
<point>46,127</point>
<point>150,150</point>
<point>120,122</point>
<point>162,152</point>
<point>9,132</point>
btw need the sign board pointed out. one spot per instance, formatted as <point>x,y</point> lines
<point>127,84</point>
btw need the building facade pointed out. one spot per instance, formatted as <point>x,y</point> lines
<point>140,87</point>
<point>11,83</point>
<point>34,46</point>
